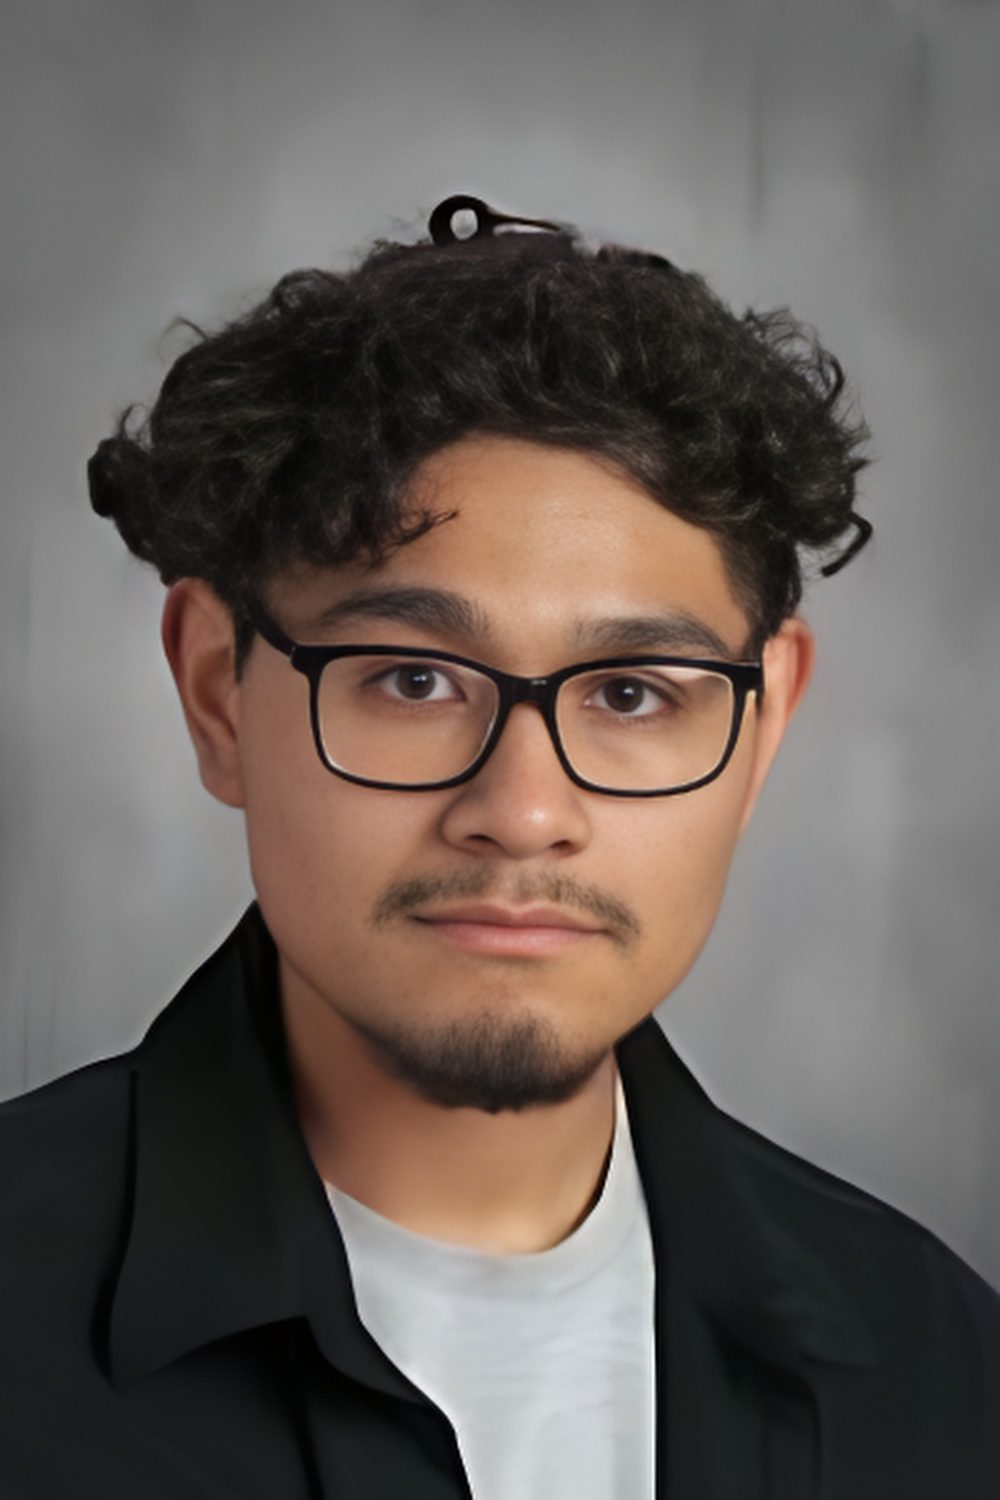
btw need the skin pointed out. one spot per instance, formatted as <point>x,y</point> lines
<point>470,1096</point>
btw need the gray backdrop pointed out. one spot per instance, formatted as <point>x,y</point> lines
<point>165,159</point>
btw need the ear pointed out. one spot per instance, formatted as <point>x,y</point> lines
<point>788,662</point>
<point>197,635</point>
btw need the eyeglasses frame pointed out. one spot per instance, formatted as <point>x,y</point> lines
<point>746,677</point>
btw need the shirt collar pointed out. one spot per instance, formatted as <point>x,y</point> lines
<point>231,1228</point>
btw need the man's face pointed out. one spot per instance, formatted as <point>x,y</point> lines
<point>544,539</point>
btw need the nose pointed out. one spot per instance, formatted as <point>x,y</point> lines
<point>521,802</point>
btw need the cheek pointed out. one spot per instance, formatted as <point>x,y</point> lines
<point>321,849</point>
<point>677,870</point>
<point>311,836</point>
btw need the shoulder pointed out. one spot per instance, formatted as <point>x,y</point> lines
<point>66,1114</point>
<point>912,1287</point>
<point>63,1170</point>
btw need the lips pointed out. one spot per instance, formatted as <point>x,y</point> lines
<point>511,916</point>
<point>508,932</point>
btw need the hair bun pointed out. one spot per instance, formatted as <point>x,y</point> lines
<point>119,476</point>
<point>104,477</point>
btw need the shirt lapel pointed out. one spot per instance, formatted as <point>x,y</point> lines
<point>747,1320</point>
<point>230,1226</point>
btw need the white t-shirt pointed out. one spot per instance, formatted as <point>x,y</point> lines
<point>544,1363</point>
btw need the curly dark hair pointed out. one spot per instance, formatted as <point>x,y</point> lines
<point>290,434</point>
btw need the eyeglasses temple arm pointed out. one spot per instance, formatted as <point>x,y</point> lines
<point>266,627</point>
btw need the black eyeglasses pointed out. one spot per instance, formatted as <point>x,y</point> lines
<point>405,719</point>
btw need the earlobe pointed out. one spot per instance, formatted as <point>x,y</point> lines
<point>197,637</point>
<point>788,662</point>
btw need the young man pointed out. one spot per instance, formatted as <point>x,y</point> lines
<point>484,560</point>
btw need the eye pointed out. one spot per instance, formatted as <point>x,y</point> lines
<point>632,697</point>
<point>416,682</point>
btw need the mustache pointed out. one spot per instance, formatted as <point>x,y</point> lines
<point>404,897</point>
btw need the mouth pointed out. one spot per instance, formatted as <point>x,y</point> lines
<point>525,932</point>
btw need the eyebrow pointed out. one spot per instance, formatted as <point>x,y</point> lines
<point>446,612</point>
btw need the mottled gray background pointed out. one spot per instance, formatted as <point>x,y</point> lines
<point>161,159</point>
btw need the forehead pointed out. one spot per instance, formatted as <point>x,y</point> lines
<point>546,547</point>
